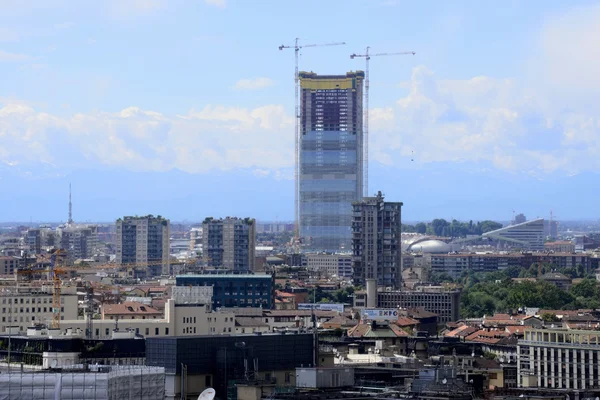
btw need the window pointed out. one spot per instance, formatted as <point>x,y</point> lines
<point>107,332</point>
<point>147,331</point>
<point>97,332</point>
<point>166,331</point>
<point>156,331</point>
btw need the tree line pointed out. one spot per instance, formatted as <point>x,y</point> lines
<point>441,227</point>
<point>488,293</point>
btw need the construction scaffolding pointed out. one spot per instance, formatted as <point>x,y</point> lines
<point>95,383</point>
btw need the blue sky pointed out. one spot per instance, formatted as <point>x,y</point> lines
<point>500,98</point>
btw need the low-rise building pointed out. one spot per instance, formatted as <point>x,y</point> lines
<point>445,302</point>
<point>193,364</point>
<point>561,246</point>
<point>24,306</point>
<point>559,359</point>
<point>235,290</point>
<point>187,313</point>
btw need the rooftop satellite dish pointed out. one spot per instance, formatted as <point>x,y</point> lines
<point>207,394</point>
<point>445,381</point>
<point>54,363</point>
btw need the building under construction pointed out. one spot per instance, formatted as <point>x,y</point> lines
<point>330,169</point>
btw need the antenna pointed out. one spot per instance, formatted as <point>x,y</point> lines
<point>70,221</point>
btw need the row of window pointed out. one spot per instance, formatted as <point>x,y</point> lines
<point>40,300</point>
<point>33,310</point>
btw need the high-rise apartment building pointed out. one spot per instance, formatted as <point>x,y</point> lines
<point>330,169</point>
<point>229,243</point>
<point>376,241</point>
<point>79,241</point>
<point>144,241</point>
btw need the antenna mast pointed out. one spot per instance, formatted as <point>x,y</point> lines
<point>70,221</point>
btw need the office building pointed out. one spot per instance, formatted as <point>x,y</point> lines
<point>338,265</point>
<point>524,236</point>
<point>144,241</point>
<point>23,306</point>
<point>196,363</point>
<point>187,313</point>
<point>376,241</point>
<point>444,302</point>
<point>235,290</point>
<point>559,359</point>
<point>229,243</point>
<point>330,169</point>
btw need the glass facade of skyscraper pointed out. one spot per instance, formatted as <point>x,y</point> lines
<point>330,169</point>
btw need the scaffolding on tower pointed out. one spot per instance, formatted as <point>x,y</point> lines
<point>297,47</point>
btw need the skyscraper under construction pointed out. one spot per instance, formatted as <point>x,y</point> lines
<point>330,170</point>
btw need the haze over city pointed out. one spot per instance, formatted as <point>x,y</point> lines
<point>186,108</point>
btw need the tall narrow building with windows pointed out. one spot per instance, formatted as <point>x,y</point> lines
<point>229,243</point>
<point>144,241</point>
<point>330,169</point>
<point>376,242</point>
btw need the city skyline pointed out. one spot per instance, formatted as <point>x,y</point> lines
<point>129,93</point>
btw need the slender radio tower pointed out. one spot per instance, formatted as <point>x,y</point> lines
<point>70,221</point>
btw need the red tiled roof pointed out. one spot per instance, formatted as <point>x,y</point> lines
<point>489,337</point>
<point>462,331</point>
<point>406,321</point>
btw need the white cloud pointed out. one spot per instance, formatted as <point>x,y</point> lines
<point>214,138</point>
<point>13,57</point>
<point>483,120</point>
<point>253,84</point>
<point>217,3</point>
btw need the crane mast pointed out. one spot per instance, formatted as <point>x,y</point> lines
<point>296,46</point>
<point>367,56</point>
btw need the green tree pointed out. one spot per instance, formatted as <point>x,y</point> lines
<point>587,288</point>
<point>421,228</point>
<point>549,317</point>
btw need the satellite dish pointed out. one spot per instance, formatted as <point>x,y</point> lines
<point>445,381</point>
<point>207,394</point>
<point>54,363</point>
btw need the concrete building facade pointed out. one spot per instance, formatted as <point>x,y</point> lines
<point>229,243</point>
<point>26,306</point>
<point>376,241</point>
<point>339,265</point>
<point>444,302</point>
<point>144,241</point>
<point>330,169</point>
<point>559,358</point>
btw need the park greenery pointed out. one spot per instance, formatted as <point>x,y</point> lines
<point>488,293</point>
<point>441,227</point>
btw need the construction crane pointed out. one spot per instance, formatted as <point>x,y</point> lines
<point>367,56</point>
<point>55,271</point>
<point>296,46</point>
